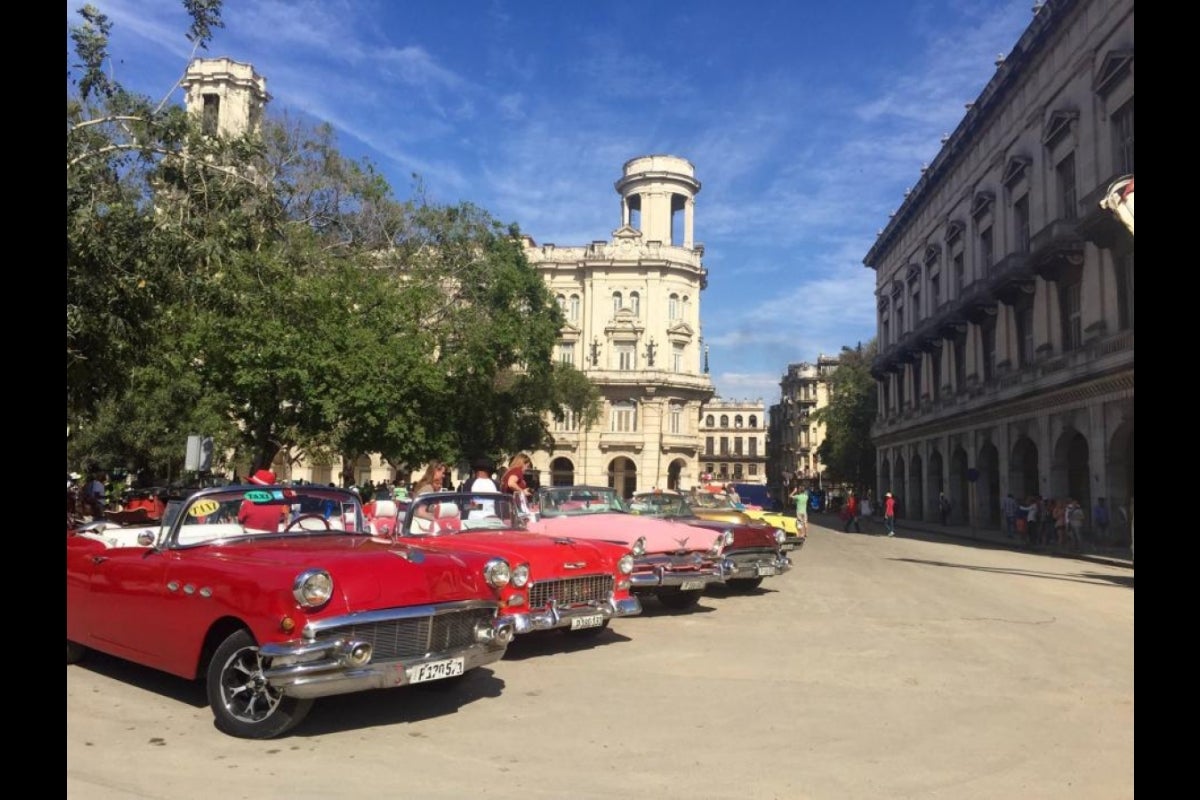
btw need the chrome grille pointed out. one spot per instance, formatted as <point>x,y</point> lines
<point>416,637</point>
<point>570,591</point>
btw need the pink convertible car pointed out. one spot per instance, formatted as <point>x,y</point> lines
<point>672,561</point>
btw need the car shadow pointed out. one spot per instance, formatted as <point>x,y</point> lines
<point>407,704</point>
<point>1078,577</point>
<point>653,607</point>
<point>726,592</point>
<point>560,642</point>
<point>173,687</point>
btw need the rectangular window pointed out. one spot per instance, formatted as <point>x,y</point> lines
<point>1021,224</point>
<point>566,353</point>
<point>960,364</point>
<point>886,333</point>
<point>887,394</point>
<point>916,373</point>
<point>1023,317</point>
<point>1072,318</point>
<point>675,419</point>
<point>753,448</point>
<point>902,386</point>
<point>1122,134</point>
<point>754,469</point>
<point>935,367</point>
<point>1124,265</point>
<point>737,445</point>
<point>1068,199</point>
<point>899,314</point>
<point>737,470</point>
<point>568,422</point>
<point>211,114</point>
<point>914,290</point>
<point>960,274</point>
<point>708,448</point>
<point>724,445</point>
<point>624,418</point>
<point>677,358</point>
<point>673,308</point>
<point>935,290</point>
<point>986,251</point>
<point>574,307</point>
<point>626,357</point>
<point>988,335</point>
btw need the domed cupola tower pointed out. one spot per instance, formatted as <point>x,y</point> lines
<point>653,190</point>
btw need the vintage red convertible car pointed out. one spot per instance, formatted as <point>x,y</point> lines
<point>277,595</point>
<point>573,584</point>
<point>753,551</point>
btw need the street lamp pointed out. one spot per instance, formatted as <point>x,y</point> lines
<point>651,348</point>
<point>595,351</point>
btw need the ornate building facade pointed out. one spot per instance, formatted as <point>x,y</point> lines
<point>795,435</point>
<point>632,309</point>
<point>1005,292</point>
<point>735,441</point>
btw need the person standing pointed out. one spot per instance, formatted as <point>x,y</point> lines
<point>944,506</point>
<point>851,514</point>
<point>95,494</point>
<point>1100,520</point>
<point>1009,508</point>
<point>481,481</point>
<point>800,495</point>
<point>889,513</point>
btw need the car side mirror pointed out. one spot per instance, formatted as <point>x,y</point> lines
<point>145,538</point>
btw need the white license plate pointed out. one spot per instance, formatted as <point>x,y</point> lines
<point>768,570</point>
<point>590,621</point>
<point>436,670</point>
<point>689,585</point>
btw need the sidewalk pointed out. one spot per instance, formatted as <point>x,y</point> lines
<point>1117,556</point>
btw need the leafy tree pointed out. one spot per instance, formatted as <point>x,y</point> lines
<point>847,451</point>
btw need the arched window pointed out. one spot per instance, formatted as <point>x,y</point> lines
<point>753,421</point>
<point>562,303</point>
<point>573,314</point>
<point>724,420</point>
<point>635,303</point>
<point>737,421</point>
<point>673,307</point>
<point>616,302</point>
<point>687,309</point>
<point>709,422</point>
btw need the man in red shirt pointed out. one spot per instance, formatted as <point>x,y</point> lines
<point>889,513</point>
<point>262,516</point>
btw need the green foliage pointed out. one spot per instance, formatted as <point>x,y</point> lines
<point>268,292</point>
<point>847,451</point>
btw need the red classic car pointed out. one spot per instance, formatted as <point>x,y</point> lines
<point>564,582</point>
<point>752,550</point>
<point>672,561</point>
<point>278,595</point>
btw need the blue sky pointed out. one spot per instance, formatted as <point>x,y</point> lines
<point>806,123</point>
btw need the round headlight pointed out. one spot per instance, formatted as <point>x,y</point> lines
<point>639,546</point>
<point>727,537</point>
<point>520,575</point>
<point>780,536</point>
<point>313,588</point>
<point>625,565</point>
<point>497,573</point>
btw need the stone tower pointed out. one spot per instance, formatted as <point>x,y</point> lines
<point>653,189</point>
<point>230,95</point>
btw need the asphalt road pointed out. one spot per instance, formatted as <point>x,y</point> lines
<point>877,668</point>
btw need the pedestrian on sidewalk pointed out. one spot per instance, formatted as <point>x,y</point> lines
<point>850,514</point>
<point>1009,508</point>
<point>800,495</point>
<point>889,513</point>
<point>1075,519</point>
<point>1100,521</point>
<point>944,507</point>
<point>1032,510</point>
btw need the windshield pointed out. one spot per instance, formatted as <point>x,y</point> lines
<point>660,505</point>
<point>709,500</point>
<point>243,511</point>
<point>438,513</point>
<point>578,501</point>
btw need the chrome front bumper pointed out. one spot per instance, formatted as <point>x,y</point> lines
<point>308,668</point>
<point>654,572</point>
<point>555,617</point>
<point>754,565</point>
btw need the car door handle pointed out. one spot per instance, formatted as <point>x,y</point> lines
<point>99,559</point>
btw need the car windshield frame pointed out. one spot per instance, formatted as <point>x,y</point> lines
<point>579,501</point>
<point>447,513</point>
<point>212,515</point>
<point>653,504</point>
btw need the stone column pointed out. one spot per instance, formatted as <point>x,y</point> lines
<point>688,222</point>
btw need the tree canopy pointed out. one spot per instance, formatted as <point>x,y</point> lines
<point>847,451</point>
<point>269,292</point>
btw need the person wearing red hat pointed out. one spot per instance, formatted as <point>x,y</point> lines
<point>262,516</point>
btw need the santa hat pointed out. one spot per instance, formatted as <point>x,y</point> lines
<point>264,477</point>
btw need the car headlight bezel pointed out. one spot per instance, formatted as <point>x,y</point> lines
<point>313,588</point>
<point>520,576</point>
<point>625,564</point>
<point>727,537</point>
<point>780,536</point>
<point>497,573</point>
<point>639,547</point>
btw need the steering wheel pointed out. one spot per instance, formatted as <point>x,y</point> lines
<point>305,517</point>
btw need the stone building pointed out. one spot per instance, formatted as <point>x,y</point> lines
<point>229,96</point>
<point>735,441</point>
<point>1005,292</point>
<point>795,435</point>
<point>632,308</point>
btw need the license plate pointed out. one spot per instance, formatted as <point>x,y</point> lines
<point>590,621</point>
<point>766,570</point>
<point>689,585</point>
<point>435,670</point>
<point>788,546</point>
